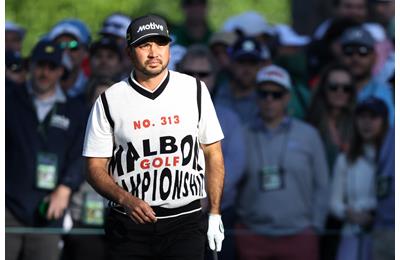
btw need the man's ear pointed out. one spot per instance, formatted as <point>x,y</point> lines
<point>128,51</point>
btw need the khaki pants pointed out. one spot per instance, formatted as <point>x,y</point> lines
<point>29,246</point>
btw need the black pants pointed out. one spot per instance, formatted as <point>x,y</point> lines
<point>177,238</point>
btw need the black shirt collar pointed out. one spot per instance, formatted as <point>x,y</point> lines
<point>146,93</point>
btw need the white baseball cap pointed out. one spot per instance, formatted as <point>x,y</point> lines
<point>288,37</point>
<point>274,74</point>
<point>250,23</point>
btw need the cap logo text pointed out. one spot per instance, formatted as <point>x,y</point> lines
<point>150,26</point>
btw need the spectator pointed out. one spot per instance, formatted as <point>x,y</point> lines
<point>355,10</point>
<point>106,59</point>
<point>383,235</point>
<point>200,63</point>
<point>353,191</point>
<point>220,43</point>
<point>16,71</point>
<point>283,197</point>
<point>331,112</point>
<point>359,56</point>
<point>239,92</point>
<point>74,38</point>
<point>14,36</point>
<point>331,109</point>
<point>291,55</point>
<point>114,27</point>
<point>44,134</point>
<point>195,28</point>
<point>87,206</point>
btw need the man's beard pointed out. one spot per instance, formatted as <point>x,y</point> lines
<point>151,73</point>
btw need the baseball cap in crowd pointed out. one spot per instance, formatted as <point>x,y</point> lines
<point>288,37</point>
<point>116,25</point>
<point>105,43</point>
<point>246,48</point>
<point>274,74</point>
<point>373,104</point>
<point>49,51</point>
<point>73,27</point>
<point>146,26</point>
<point>13,27</point>
<point>357,36</point>
<point>249,23</point>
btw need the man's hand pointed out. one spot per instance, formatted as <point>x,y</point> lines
<point>215,233</point>
<point>139,211</point>
<point>58,202</point>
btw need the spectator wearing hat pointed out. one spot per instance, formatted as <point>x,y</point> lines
<point>291,55</point>
<point>284,193</point>
<point>106,59</point>
<point>358,54</point>
<point>238,92</point>
<point>200,63</point>
<point>44,136</point>
<point>353,191</point>
<point>16,69</point>
<point>195,28</point>
<point>74,38</point>
<point>13,37</point>
<point>114,27</point>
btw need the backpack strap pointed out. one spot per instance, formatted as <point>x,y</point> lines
<point>107,109</point>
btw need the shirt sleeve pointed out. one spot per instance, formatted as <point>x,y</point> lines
<point>209,127</point>
<point>99,137</point>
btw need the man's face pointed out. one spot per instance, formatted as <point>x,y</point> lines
<point>13,41</point>
<point>354,9</point>
<point>359,59</point>
<point>273,100</point>
<point>151,57</point>
<point>45,76</point>
<point>105,62</point>
<point>75,50</point>
<point>245,71</point>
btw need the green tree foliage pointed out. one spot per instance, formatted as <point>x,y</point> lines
<point>38,16</point>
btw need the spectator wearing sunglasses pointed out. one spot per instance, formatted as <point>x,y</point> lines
<point>331,112</point>
<point>358,54</point>
<point>73,37</point>
<point>200,63</point>
<point>284,193</point>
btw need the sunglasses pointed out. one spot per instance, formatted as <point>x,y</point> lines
<point>334,87</point>
<point>197,74</point>
<point>359,50</point>
<point>274,94</point>
<point>71,45</point>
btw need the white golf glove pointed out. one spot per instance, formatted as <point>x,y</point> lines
<point>215,233</point>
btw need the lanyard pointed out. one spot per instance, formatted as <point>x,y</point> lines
<point>283,148</point>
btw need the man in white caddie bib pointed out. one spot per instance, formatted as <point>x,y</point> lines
<point>153,149</point>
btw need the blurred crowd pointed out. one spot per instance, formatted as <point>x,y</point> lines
<point>308,123</point>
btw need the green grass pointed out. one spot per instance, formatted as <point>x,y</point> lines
<point>39,16</point>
